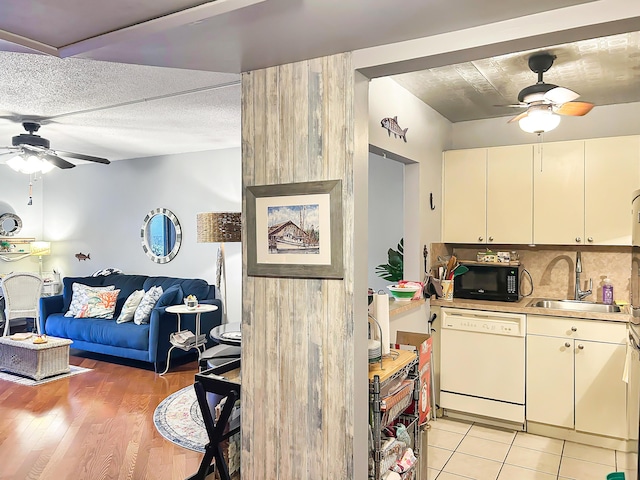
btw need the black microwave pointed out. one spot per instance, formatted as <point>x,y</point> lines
<point>488,281</point>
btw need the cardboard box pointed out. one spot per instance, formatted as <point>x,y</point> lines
<point>422,343</point>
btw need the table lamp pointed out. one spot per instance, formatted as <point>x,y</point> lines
<point>219,227</point>
<point>40,249</point>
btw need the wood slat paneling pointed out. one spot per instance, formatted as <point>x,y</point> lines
<point>298,333</point>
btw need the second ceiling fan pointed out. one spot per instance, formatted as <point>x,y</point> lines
<point>545,101</point>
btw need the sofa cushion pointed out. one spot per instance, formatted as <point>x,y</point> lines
<point>98,330</point>
<point>172,296</point>
<point>130,305</point>
<point>190,286</point>
<point>67,283</point>
<point>80,297</point>
<point>149,300</point>
<point>100,304</point>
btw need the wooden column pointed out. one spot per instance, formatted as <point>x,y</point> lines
<point>298,334</point>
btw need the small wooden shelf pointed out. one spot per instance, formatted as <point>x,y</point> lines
<point>391,366</point>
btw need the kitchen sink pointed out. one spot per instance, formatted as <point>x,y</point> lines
<point>574,305</point>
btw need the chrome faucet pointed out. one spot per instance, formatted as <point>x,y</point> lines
<point>580,294</point>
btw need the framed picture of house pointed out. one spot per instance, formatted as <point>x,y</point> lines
<point>295,230</point>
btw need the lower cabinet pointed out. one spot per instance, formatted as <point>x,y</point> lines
<point>574,374</point>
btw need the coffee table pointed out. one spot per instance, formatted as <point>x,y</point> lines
<point>33,360</point>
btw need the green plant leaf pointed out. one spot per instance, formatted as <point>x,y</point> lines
<point>394,270</point>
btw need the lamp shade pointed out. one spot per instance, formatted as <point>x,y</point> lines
<point>40,248</point>
<point>539,119</point>
<point>219,227</point>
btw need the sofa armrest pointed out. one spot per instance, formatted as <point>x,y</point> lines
<point>49,306</point>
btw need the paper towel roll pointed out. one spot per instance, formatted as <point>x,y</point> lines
<point>381,302</point>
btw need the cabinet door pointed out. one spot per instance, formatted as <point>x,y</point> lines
<point>558,209</point>
<point>510,194</point>
<point>601,395</point>
<point>550,380</point>
<point>464,196</point>
<point>612,173</point>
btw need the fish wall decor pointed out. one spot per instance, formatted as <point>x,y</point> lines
<point>82,256</point>
<point>391,124</point>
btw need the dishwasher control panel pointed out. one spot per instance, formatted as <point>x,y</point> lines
<point>488,322</point>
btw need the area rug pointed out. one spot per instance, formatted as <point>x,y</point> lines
<point>178,419</point>
<point>30,382</point>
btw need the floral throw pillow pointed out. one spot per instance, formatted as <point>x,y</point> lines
<point>80,296</point>
<point>100,304</point>
<point>143,312</point>
<point>130,306</point>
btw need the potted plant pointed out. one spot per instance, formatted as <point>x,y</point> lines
<point>393,270</point>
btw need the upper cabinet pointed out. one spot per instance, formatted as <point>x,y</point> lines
<point>464,196</point>
<point>488,195</point>
<point>559,193</point>
<point>612,173</point>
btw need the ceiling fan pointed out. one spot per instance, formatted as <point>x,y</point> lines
<point>30,146</point>
<point>545,101</point>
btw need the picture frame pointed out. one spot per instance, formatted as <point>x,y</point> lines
<point>295,230</point>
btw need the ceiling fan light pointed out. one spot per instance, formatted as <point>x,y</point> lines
<point>45,166</point>
<point>539,120</point>
<point>16,163</point>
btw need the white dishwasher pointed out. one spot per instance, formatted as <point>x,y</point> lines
<point>482,358</point>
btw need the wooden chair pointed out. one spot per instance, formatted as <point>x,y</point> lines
<point>211,388</point>
<point>22,291</point>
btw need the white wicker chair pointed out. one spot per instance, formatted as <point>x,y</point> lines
<point>22,291</point>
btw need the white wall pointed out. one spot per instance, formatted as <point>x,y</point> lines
<point>386,219</point>
<point>99,210</point>
<point>428,135</point>
<point>602,121</point>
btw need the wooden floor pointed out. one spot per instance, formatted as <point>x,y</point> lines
<point>92,426</point>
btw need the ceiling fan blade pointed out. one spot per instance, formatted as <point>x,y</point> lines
<point>81,156</point>
<point>57,161</point>
<point>575,109</point>
<point>513,105</point>
<point>560,95</point>
<point>518,117</point>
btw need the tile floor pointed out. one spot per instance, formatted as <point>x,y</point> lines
<point>463,451</point>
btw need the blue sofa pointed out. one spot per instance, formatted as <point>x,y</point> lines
<point>147,342</point>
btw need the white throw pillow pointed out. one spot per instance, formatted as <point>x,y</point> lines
<point>130,306</point>
<point>149,300</point>
<point>80,297</point>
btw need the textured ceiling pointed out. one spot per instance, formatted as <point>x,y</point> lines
<point>160,94</point>
<point>603,71</point>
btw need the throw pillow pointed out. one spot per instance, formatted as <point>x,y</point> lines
<point>143,312</point>
<point>80,297</point>
<point>171,296</point>
<point>129,307</point>
<point>100,304</point>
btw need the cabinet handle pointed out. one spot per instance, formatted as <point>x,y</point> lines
<point>581,347</point>
<point>574,329</point>
<point>491,239</point>
<point>590,239</point>
<point>567,344</point>
<point>578,239</point>
<point>480,239</point>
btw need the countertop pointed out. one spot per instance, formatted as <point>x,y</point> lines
<point>521,307</point>
<point>398,307</point>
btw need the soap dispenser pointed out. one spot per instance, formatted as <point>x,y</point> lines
<point>607,292</point>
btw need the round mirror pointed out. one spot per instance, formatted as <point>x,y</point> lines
<point>10,225</point>
<point>161,235</point>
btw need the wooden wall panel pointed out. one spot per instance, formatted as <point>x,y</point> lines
<point>297,349</point>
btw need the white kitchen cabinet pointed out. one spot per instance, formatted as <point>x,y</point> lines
<point>612,172</point>
<point>510,194</point>
<point>464,196</point>
<point>574,369</point>
<point>488,195</point>
<point>550,373</point>
<point>600,393</point>
<point>558,194</point>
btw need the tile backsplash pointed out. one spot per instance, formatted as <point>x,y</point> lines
<point>552,267</point>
